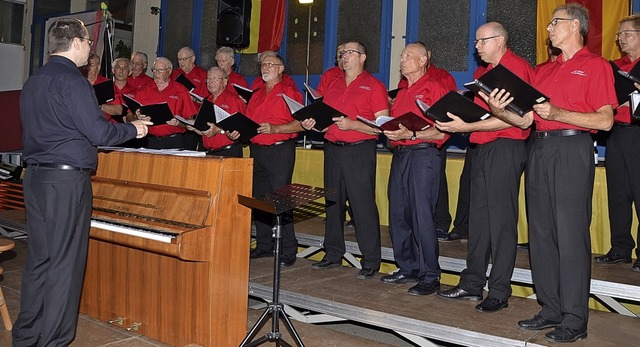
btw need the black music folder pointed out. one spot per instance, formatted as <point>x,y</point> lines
<point>236,122</point>
<point>205,115</point>
<point>104,92</point>
<point>635,110</point>
<point>624,81</point>
<point>314,93</point>
<point>321,112</point>
<point>409,120</point>
<point>524,95</point>
<point>393,93</point>
<point>455,103</point>
<point>182,79</point>
<point>245,93</point>
<point>159,113</point>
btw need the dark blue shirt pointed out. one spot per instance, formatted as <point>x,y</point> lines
<point>61,120</point>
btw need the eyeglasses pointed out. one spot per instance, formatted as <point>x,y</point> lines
<point>268,65</point>
<point>554,21</point>
<point>483,40</point>
<point>87,39</point>
<point>185,59</point>
<point>626,33</point>
<point>349,52</point>
<point>120,67</point>
<point>214,79</point>
<point>137,64</point>
<point>160,70</point>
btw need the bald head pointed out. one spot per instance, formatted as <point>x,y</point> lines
<point>186,59</point>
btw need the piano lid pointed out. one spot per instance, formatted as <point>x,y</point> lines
<point>178,206</point>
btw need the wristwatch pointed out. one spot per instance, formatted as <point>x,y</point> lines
<point>413,137</point>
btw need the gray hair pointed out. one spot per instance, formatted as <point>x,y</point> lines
<point>579,12</point>
<point>165,61</point>
<point>215,68</point>
<point>115,62</point>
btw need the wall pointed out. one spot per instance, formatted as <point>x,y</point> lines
<point>11,73</point>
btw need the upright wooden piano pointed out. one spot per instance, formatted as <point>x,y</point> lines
<point>169,247</point>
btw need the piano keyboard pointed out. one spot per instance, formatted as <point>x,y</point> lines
<point>127,230</point>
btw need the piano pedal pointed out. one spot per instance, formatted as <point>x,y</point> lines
<point>118,321</point>
<point>134,327</point>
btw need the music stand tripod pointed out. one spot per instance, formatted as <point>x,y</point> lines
<point>279,201</point>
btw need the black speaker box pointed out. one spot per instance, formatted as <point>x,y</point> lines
<point>233,23</point>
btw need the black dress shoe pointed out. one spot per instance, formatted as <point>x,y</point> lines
<point>287,260</point>
<point>455,236</point>
<point>325,264</point>
<point>424,288</point>
<point>565,334</point>
<point>491,305</point>
<point>636,265</point>
<point>537,323</point>
<point>398,279</point>
<point>365,274</point>
<point>441,234</point>
<point>612,258</point>
<point>258,253</point>
<point>459,293</point>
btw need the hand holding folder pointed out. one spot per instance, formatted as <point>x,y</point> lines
<point>244,125</point>
<point>409,120</point>
<point>158,113</point>
<point>318,111</point>
<point>454,103</point>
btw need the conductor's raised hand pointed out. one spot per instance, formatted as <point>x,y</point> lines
<point>142,128</point>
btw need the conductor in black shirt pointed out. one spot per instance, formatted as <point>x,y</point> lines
<point>62,125</point>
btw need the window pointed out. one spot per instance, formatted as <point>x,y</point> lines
<point>11,22</point>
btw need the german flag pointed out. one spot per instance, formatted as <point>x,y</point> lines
<point>604,16</point>
<point>267,25</point>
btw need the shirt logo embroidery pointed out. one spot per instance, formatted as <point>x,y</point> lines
<point>174,97</point>
<point>365,87</point>
<point>579,72</point>
<point>225,106</point>
<point>420,96</point>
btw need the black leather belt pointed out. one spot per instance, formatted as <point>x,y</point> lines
<point>345,144</point>
<point>58,167</point>
<point>418,146</point>
<point>165,137</point>
<point>211,151</point>
<point>271,145</point>
<point>627,125</point>
<point>559,133</point>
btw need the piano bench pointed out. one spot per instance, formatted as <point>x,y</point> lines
<point>5,245</point>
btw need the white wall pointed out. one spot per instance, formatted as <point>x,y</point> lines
<point>13,58</point>
<point>146,29</point>
<point>399,30</point>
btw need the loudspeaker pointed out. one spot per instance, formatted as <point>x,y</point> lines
<point>234,18</point>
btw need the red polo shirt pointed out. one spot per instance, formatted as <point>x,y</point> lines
<point>179,100</point>
<point>364,97</point>
<point>231,103</point>
<point>197,76</point>
<point>623,113</point>
<point>583,83</point>
<point>140,81</point>
<point>236,78</point>
<point>271,108</point>
<point>438,74</point>
<point>522,69</point>
<point>427,89</point>
<point>328,77</point>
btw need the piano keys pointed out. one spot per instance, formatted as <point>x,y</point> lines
<point>169,247</point>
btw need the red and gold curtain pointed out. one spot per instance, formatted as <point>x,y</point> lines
<point>267,25</point>
<point>603,25</point>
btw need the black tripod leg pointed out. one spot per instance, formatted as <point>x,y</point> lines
<point>256,327</point>
<point>292,330</point>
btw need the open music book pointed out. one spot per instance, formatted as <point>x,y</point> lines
<point>409,120</point>
<point>455,103</point>
<point>104,92</point>
<point>159,113</point>
<point>245,93</point>
<point>236,122</point>
<point>624,81</point>
<point>205,115</point>
<point>321,112</point>
<point>524,95</point>
<point>182,79</point>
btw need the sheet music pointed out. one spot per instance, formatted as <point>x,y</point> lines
<point>177,151</point>
<point>314,93</point>
<point>293,105</point>
<point>220,113</point>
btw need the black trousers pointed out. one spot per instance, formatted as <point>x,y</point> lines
<point>351,171</point>
<point>414,183</point>
<point>461,221</point>
<point>559,187</point>
<point>272,169</point>
<point>443,216</point>
<point>58,209</point>
<point>623,187</point>
<point>235,151</point>
<point>496,169</point>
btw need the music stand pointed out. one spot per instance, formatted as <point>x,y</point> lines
<point>279,201</point>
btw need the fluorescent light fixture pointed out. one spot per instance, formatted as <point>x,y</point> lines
<point>305,1</point>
